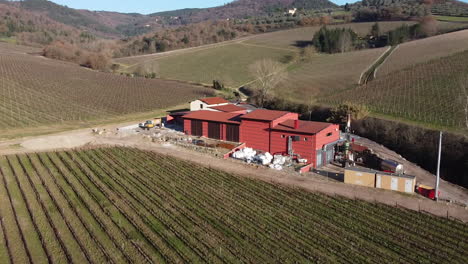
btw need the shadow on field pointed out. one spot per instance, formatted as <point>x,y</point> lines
<point>303,43</point>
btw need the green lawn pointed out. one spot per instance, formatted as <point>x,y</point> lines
<point>452,18</point>
<point>11,40</point>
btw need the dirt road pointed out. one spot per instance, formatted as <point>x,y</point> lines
<point>310,181</point>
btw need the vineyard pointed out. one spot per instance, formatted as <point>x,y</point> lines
<point>36,91</point>
<point>428,93</point>
<point>424,50</point>
<point>323,74</point>
<point>119,205</point>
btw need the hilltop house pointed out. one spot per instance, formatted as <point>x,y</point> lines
<point>292,11</point>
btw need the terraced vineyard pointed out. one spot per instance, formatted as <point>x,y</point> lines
<point>124,205</point>
<point>429,92</point>
<point>424,50</point>
<point>35,91</point>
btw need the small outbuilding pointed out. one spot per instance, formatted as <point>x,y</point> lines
<point>207,103</point>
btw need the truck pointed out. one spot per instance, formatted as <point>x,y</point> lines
<point>150,124</point>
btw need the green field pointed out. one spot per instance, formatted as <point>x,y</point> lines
<point>452,18</point>
<point>427,93</point>
<point>123,205</point>
<point>230,62</point>
<point>10,40</point>
<point>227,63</point>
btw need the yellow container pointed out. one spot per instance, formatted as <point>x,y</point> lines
<point>395,182</point>
<point>361,177</point>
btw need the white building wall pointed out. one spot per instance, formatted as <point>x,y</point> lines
<point>199,105</point>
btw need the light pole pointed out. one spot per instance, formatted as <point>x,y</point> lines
<point>438,167</point>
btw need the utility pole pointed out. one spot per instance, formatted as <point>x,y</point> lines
<point>438,167</point>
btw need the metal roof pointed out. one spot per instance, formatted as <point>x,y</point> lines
<point>214,100</point>
<point>213,116</point>
<point>265,115</point>
<point>306,127</point>
<point>228,108</point>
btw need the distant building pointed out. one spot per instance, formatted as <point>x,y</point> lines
<point>206,103</point>
<point>292,11</point>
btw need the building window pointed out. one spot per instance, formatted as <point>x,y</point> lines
<point>283,136</point>
<point>329,134</point>
<point>201,106</point>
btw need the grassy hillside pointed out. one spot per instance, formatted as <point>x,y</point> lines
<point>35,91</point>
<point>424,50</point>
<point>226,63</point>
<point>428,93</point>
<point>229,62</point>
<point>124,205</point>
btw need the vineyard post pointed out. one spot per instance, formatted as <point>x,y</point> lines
<point>438,167</point>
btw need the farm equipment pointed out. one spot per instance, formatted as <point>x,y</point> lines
<point>150,124</point>
<point>427,191</point>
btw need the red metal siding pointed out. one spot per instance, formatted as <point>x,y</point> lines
<point>305,149</point>
<point>205,129</point>
<point>255,134</point>
<point>322,138</point>
<point>187,126</point>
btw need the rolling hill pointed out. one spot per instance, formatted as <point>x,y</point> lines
<point>229,62</point>
<point>36,92</point>
<point>245,8</point>
<point>105,24</point>
<point>430,92</point>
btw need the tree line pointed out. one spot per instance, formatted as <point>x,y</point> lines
<point>339,40</point>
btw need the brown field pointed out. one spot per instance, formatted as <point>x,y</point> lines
<point>424,50</point>
<point>10,48</point>
<point>325,74</point>
<point>37,91</point>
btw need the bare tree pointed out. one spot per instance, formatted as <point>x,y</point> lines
<point>429,25</point>
<point>148,69</point>
<point>345,41</point>
<point>268,74</point>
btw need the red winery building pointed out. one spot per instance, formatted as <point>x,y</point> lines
<point>277,132</point>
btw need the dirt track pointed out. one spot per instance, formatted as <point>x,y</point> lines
<point>311,182</point>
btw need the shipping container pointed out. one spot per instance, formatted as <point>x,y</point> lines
<point>395,182</point>
<point>358,176</point>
